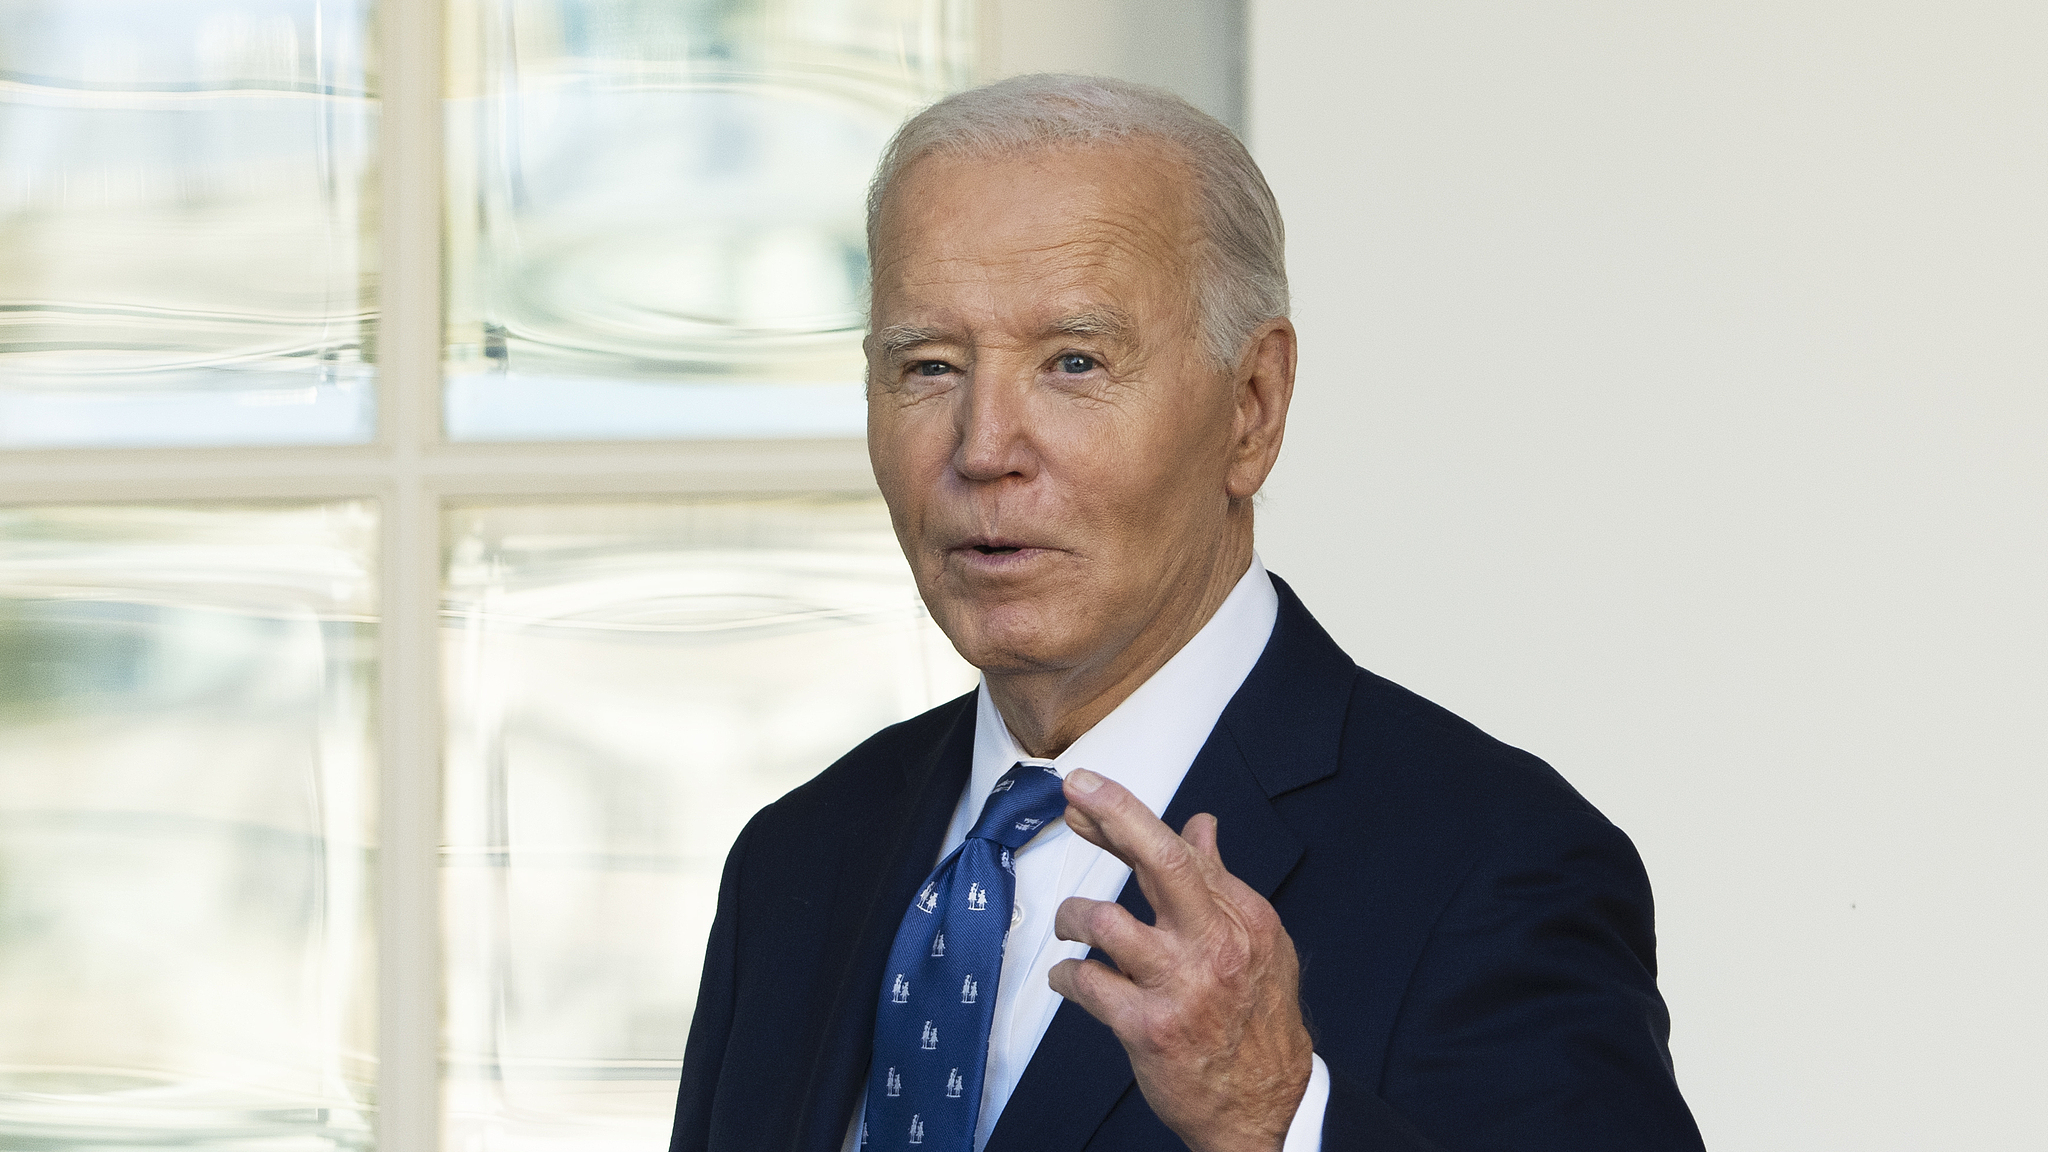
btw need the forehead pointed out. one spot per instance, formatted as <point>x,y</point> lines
<point>1113,218</point>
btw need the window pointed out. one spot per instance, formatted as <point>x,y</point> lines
<point>186,933</point>
<point>581,554</point>
<point>433,517</point>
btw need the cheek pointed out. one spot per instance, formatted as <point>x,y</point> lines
<point>1162,474</point>
<point>909,452</point>
<point>900,495</point>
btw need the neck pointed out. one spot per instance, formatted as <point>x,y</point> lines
<point>1047,710</point>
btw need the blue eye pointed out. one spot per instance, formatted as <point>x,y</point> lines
<point>930,368</point>
<point>1075,364</point>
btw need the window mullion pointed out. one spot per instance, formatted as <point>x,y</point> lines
<point>409,355</point>
<point>409,991</point>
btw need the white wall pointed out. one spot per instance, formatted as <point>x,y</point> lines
<point>1674,404</point>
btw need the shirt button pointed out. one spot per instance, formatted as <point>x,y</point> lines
<point>1016,916</point>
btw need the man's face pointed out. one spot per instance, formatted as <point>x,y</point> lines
<point>1055,448</point>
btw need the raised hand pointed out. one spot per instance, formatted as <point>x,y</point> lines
<point>1206,1001</point>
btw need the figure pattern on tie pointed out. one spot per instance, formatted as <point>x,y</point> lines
<point>938,994</point>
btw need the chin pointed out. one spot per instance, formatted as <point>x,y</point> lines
<point>1003,640</point>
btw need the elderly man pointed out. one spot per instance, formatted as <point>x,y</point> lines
<point>1376,928</point>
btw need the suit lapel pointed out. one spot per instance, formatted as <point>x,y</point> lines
<point>1280,731</point>
<point>910,846</point>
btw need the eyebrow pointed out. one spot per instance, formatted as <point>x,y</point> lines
<point>1104,324</point>
<point>897,339</point>
<point>1101,324</point>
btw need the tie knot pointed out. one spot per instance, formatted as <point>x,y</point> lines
<point>1027,798</point>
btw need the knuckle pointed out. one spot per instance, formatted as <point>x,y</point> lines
<point>1178,862</point>
<point>1103,918</point>
<point>1157,1028</point>
<point>1262,919</point>
<point>1073,980</point>
<point>1230,956</point>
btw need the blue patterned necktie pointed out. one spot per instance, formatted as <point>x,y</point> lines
<point>939,991</point>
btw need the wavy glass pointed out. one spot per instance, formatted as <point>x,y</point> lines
<point>185,238</point>
<point>186,827</point>
<point>627,684</point>
<point>655,209</point>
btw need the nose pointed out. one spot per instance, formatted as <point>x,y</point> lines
<point>993,428</point>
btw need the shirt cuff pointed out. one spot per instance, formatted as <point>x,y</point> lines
<point>1306,1133</point>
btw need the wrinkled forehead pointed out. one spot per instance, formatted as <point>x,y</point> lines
<point>1118,209</point>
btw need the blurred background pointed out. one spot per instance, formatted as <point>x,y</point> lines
<point>434,516</point>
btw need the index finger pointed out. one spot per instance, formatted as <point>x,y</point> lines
<point>1168,869</point>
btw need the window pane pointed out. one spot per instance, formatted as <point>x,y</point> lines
<point>656,208</point>
<point>627,685</point>
<point>184,242</point>
<point>185,923</point>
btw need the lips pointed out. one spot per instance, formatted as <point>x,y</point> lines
<point>994,546</point>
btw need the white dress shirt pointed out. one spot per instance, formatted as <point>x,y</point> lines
<point>1146,745</point>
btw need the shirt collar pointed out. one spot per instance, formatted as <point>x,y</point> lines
<point>1147,743</point>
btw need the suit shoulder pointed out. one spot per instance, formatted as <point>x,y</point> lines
<point>1417,749</point>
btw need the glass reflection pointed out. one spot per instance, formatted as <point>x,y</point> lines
<point>656,208</point>
<point>627,685</point>
<point>185,246</point>
<point>185,812</point>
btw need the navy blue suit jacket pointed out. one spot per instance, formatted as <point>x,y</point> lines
<point>1477,956</point>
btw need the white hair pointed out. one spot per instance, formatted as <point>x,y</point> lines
<point>1241,269</point>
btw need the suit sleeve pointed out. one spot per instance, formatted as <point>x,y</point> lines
<point>1532,1021</point>
<point>704,1053</point>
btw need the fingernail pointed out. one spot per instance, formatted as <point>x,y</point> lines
<point>1084,781</point>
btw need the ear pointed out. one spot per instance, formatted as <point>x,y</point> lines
<point>1264,379</point>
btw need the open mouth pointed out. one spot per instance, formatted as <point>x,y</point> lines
<point>995,549</point>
